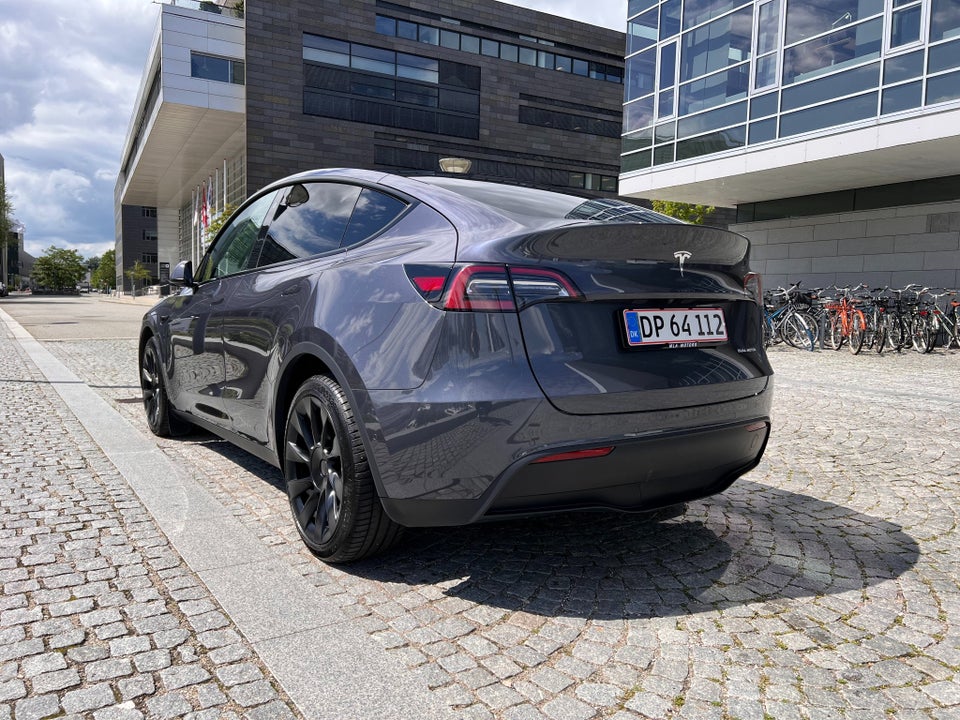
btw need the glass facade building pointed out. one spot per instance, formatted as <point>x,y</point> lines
<point>708,76</point>
<point>832,126</point>
<point>704,77</point>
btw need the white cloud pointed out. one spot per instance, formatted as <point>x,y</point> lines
<point>70,73</point>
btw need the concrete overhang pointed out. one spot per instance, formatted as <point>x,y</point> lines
<point>175,157</point>
<point>893,150</point>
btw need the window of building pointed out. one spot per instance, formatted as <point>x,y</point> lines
<point>210,67</point>
<point>944,57</point>
<point>725,41</point>
<point>906,22</point>
<point>713,90</point>
<point>669,19</point>
<point>901,97</point>
<point>568,121</point>
<point>150,212</point>
<point>696,12</point>
<point>833,51</point>
<point>830,87</point>
<point>642,31</point>
<point>943,88</point>
<point>903,67</point>
<point>489,47</point>
<point>148,257</point>
<point>944,19</point>
<point>767,47</point>
<point>806,19</point>
<point>640,74</point>
<point>838,112</point>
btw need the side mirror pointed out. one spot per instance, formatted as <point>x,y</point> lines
<point>182,274</point>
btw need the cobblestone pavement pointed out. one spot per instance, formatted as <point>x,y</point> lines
<point>824,584</point>
<point>99,617</point>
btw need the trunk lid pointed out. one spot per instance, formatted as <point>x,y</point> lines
<point>601,353</point>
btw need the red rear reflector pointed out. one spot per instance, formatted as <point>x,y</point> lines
<point>576,455</point>
<point>430,284</point>
<point>756,426</point>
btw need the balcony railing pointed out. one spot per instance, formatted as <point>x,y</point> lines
<point>230,8</point>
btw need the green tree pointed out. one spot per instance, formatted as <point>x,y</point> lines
<point>105,274</point>
<point>695,214</point>
<point>59,269</point>
<point>138,273</point>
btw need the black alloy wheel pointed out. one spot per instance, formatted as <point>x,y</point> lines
<point>329,483</point>
<point>161,421</point>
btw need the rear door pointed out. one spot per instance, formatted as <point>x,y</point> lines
<point>309,231</point>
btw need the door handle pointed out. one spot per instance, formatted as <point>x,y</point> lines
<point>290,291</point>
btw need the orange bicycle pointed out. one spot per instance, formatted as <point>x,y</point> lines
<point>846,322</point>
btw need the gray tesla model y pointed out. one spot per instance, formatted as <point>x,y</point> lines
<point>440,351</point>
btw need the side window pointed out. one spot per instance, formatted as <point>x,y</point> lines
<point>235,248</point>
<point>374,211</point>
<point>310,219</point>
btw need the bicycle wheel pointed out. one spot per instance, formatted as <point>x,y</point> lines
<point>768,332</point>
<point>897,334</point>
<point>835,332</point>
<point>920,334</point>
<point>796,332</point>
<point>880,334</point>
<point>873,318</point>
<point>858,332</point>
<point>813,324</point>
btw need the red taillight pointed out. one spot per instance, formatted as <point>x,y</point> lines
<point>488,288</point>
<point>429,284</point>
<point>480,287</point>
<point>576,455</point>
<point>753,285</point>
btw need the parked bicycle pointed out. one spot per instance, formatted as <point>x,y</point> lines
<point>785,320</point>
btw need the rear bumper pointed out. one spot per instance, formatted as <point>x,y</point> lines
<point>639,475</point>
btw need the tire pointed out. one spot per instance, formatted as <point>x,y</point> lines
<point>768,332</point>
<point>160,418</point>
<point>329,483</point>
<point>896,332</point>
<point>858,333</point>
<point>835,332</point>
<point>880,335</point>
<point>921,335</point>
<point>797,333</point>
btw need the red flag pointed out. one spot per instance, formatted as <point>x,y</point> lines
<point>204,217</point>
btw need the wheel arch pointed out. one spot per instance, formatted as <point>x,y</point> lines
<point>305,360</point>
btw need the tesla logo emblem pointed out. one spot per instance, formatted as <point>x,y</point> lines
<point>682,256</point>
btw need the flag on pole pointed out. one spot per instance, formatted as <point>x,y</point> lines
<point>210,199</point>
<point>204,216</point>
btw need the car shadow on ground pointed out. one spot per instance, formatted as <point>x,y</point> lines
<point>753,543</point>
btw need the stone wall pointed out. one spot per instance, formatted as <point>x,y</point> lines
<point>887,247</point>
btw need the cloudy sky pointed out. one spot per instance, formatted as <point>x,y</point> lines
<point>69,73</point>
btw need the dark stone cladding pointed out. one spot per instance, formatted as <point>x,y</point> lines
<point>281,139</point>
<point>134,224</point>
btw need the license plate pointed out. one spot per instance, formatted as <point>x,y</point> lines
<point>680,328</point>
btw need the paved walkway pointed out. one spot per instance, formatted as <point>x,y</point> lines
<point>826,584</point>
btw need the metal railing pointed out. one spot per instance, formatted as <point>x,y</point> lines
<point>230,8</point>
